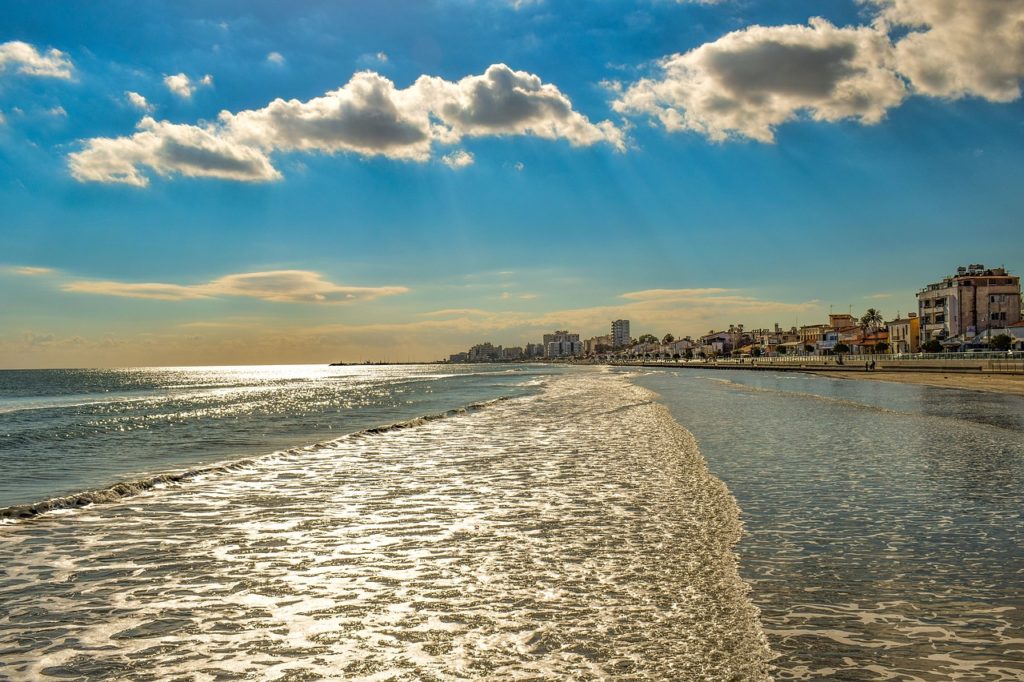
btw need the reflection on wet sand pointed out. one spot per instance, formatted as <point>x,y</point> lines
<point>883,535</point>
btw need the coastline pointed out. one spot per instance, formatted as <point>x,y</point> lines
<point>1007,384</point>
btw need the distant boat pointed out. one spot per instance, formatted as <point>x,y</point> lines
<point>338,364</point>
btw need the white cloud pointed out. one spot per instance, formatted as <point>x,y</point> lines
<point>367,116</point>
<point>370,60</point>
<point>215,325</point>
<point>148,290</point>
<point>167,149</point>
<point>519,166</point>
<point>183,86</point>
<point>457,159</point>
<point>27,60</point>
<point>673,294</point>
<point>282,286</point>
<point>507,102</point>
<point>30,270</point>
<point>180,85</point>
<point>57,111</point>
<point>138,101</point>
<point>275,58</point>
<point>748,82</point>
<point>959,48</point>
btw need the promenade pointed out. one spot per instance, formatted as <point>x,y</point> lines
<point>976,363</point>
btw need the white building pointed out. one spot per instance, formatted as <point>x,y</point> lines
<point>562,344</point>
<point>678,347</point>
<point>620,333</point>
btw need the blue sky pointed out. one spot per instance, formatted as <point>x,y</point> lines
<point>400,180</point>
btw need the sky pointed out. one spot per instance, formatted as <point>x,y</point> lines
<point>265,182</point>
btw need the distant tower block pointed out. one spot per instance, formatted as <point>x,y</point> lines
<point>620,333</point>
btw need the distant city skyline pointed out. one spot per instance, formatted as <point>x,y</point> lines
<point>235,183</point>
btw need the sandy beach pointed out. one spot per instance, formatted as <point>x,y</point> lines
<point>1012,384</point>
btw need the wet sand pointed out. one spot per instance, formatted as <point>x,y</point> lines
<point>1012,384</point>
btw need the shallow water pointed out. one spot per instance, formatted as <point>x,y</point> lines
<point>883,522</point>
<point>571,534</point>
<point>62,431</point>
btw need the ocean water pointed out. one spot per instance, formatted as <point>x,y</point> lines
<point>438,523</point>
<point>884,536</point>
<point>571,531</point>
<point>65,431</point>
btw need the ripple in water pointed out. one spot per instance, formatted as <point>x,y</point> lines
<point>883,535</point>
<point>573,534</point>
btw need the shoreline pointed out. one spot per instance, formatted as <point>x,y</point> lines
<point>1006,384</point>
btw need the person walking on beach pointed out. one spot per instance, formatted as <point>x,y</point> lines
<point>872,365</point>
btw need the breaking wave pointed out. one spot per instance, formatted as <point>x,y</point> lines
<point>123,489</point>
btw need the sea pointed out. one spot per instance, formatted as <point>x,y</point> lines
<point>506,522</point>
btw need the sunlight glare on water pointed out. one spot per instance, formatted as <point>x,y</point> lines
<point>575,533</point>
<point>62,431</point>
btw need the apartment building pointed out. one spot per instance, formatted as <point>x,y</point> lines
<point>620,333</point>
<point>973,300</point>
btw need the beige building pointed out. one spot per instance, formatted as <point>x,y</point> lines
<point>976,298</point>
<point>841,320</point>
<point>598,344</point>
<point>905,334</point>
<point>811,334</point>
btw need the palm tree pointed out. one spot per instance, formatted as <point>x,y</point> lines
<point>872,319</point>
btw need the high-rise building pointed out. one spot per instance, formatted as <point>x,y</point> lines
<point>562,344</point>
<point>620,333</point>
<point>976,298</point>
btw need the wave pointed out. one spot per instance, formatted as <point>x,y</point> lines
<point>124,489</point>
<point>419,421</point>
